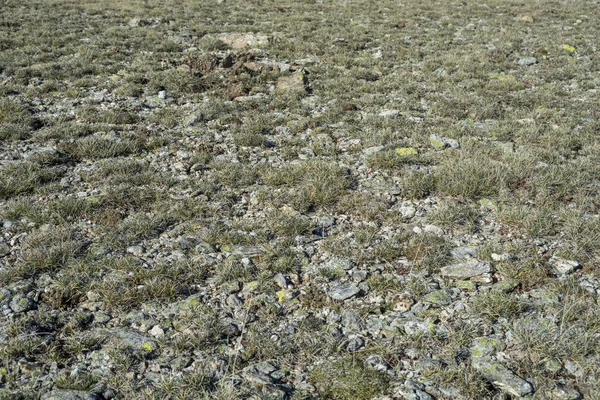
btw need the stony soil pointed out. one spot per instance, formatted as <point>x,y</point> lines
<point>299,199</point>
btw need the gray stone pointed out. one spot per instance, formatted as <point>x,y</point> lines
<point>562,266</point>
<point>377,363</point>
<point>441,143</point>
<point>342,263</point>
<point>344,291</point>
<point>502,377</point>
<point>136,250</point>
<point>527,61</point>
<point>501,257</point>
<point>408,211</point>
<point>21,303</point>
<point>389,113</point>
<point>69,395</point>
<point>261,374</point>
<point>355,343</point>
<point>439,298</point>
<point>486,346</point>
<point>246,251</point>
<point>464,252</point>
<point>466,270</point>
<point>415,394</point>
<point>565,393</point>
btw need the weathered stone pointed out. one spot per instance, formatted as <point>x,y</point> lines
<point>439,298</point>
<point>565,393</point>
<point>355,343</point>
<point>21,303</point>
<point>502,377</point>
<point>466,270</point>
<point>437,141</point>
<point>344,291</point>
<point>69,395</point>
<point>527,61</point>
<point>293,83</point>
<point>506,285</point>
<point>464,252</point>
<point>485,346</point>
<point>562,266</point>
<point>260,374</point>
<point>342,263</point>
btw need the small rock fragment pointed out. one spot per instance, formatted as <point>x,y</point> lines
<point>527,61</point>
<point>157,331</point>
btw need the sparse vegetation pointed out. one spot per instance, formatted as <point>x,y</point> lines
<point>299,200</point>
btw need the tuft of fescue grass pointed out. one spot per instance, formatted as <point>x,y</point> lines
<point>497,304</point>
<point>97,148</point>
<point>23,177</point>
<point>474,177</point>
<point>427,251</point>
<point>347,378</point>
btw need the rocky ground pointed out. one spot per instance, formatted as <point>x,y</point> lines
<point>299,200</point>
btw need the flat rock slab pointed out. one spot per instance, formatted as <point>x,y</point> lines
<point>343,291</point>
<point>502,377</point>
<point>69,395</point>
<point>466,270</point>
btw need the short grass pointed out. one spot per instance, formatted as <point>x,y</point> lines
<point>136,124</point>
